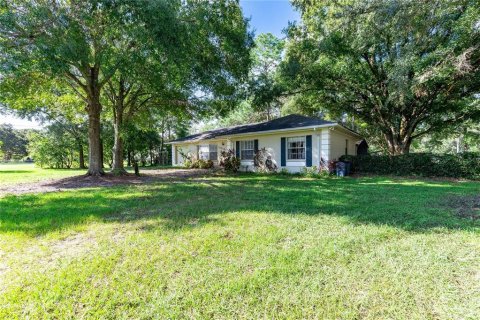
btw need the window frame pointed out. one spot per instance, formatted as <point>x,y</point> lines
<point>242,149</point>
<point>203,155</point>
<point>210,152</point>
<point>304,148</point>
<point>207,153</point>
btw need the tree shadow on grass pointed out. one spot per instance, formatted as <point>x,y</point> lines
<point>409,205</point>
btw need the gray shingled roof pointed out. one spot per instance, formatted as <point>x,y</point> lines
<point>288,122</point>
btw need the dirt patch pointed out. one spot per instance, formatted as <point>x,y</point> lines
<point>467,207</point>
<point>72,246</point>
<point>108,180</point>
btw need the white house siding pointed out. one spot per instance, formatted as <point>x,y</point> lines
<point>328,143</point>
<point>337,144</point>
<point>272,142</point>
<point>188,149</point>
<point>191,149</point>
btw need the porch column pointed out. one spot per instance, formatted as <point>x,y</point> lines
<point>325,144</point>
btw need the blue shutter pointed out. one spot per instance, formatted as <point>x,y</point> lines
<point>237,149</point>
<point>309,151</point>
<point>255,147</point>
<point>283,156</point>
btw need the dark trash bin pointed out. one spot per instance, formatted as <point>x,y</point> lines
<point>348,167</point>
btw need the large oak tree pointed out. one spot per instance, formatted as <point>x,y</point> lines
<point>196,71</point>
<point>79,42</point>
<point>86,43</point>
<point>404,67</point>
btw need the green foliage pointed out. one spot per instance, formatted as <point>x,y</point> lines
<point>185,56</point>
<point>198,164</point>
<point>309,172</point>
<point>464,165</point>
<point>229,161</point>
<point>143,143</point>
<point>243,113</point>
<point>403,67</point>
<point>261,100</point>
<point>464,138</point>
<point>52,149</point>
<point>264,89</point>
<point>314,172</point>
<point>13,142</point>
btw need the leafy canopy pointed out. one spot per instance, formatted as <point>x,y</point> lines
<point>404,67</point>
<point>264,87</point>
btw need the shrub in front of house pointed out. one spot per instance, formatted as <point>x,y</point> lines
<point>463,165</point>
<point>263,161</point>
<point>198,164</point>
<point>228,161</point>
<point>191,162</point>
<point>205,164</point>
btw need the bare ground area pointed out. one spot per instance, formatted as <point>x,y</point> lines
<point>108,180</point>
<point>464,206</point>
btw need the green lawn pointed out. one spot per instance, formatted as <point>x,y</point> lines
<point>243,246</point>
<point>27,172</point>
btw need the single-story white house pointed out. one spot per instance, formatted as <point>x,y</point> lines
<point>294,142</point>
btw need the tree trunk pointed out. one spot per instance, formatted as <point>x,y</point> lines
<point>81,157</point>
<point>118,167</point>
<point>94,108</point>
<point>398,146</point>
<point>135,167</point>
<point>118,110</point>
<point>129,158</point>
<point>95,154</point>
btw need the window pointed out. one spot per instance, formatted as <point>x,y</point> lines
<point>296,148</point>
<point>247,150</point>
<point>203,152</point>
<point>208,152</point>
<point>213,152</point>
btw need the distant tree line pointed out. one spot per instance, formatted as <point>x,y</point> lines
<point>62,144</point>
<point>13,143</point>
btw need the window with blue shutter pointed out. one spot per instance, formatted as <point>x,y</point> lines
<point>283,149</point>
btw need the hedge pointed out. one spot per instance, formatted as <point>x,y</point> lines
<point>464,165</point>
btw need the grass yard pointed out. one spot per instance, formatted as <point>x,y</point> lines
<point>243,246</point>
<point>27,172</point>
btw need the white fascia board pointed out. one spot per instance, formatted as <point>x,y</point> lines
<point>269,132</point>
<point>219,139</point>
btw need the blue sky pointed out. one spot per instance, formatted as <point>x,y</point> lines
<point>269,15</point>
<point>265,16</point>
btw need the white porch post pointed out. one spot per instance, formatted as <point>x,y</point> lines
<point>325,144</point>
